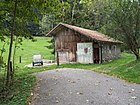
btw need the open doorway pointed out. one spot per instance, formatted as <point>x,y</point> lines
<point>96,56</point>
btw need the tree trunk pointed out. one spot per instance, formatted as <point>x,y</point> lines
<point>14,53</point>
<point>73,12</point>
<point>8,77</point>
<point>137,57</point>
<point>136,53</point>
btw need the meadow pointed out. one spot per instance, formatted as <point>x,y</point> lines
<point>125,68</point>
<point>29,48</point>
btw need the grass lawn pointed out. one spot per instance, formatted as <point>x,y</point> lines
<point>23,80</point>
<point>125,68</point>
<point>29,48</point>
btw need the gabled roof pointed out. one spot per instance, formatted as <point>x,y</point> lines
<point>89,33</point>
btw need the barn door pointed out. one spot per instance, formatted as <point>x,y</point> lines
<point>63,57</point>
<point>84,53</point>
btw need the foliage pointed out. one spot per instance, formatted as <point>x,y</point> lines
<point>22,79</point>
<point>19,91</point>
<point>21,18</point>
<point>126,19</point>
<point>17,16</point>
<point>117,18</point>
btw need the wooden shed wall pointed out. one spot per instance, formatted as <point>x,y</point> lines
<point>66,41</point>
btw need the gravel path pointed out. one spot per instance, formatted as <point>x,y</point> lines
<point>83,87</point>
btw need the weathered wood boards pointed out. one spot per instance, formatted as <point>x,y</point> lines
<point>75,44</point>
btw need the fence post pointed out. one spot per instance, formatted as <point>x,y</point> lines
<point>57,58</point>
<point>19,59</point>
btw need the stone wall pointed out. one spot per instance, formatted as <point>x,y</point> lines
<point>110,51</point>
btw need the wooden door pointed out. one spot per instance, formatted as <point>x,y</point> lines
<point>63,57</point>
<point>84,53</point>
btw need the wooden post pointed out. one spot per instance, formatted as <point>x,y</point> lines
<point>19,59</point>
<point>57,56</point>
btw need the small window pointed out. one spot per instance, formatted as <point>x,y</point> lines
<point>114,47</point>
<point>86,50</point>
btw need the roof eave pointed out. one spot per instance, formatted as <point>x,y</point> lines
<point>51,33</point>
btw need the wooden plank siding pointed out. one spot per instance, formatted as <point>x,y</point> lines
<point>66,40</point>
<point>85,52</point>
<point>66,45</point>
<point>68,36</point>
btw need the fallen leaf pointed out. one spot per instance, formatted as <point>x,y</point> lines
<point>111,88</point>
<point>133,97</point>
<point>73,82</point>
<point>56,97</point>
<point>98,81</point>
<point>130,104</point>
<point>79,93</point>
<point>87,100</point>
<point>109,93</point>
<point>57,101</point>
<point>68,80</point>
<point>32,94</point>
<point>133,90</point>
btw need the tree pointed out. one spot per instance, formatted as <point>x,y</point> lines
<point>16,15</point>
<point>126,18</point>
<point>118,18</point>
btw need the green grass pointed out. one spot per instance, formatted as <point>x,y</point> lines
<point>29,48</point>
<point>129,72</point>
<point>124,67</point>
<point>20,90</point>
<point>24,83</point>
<point>23,80</point>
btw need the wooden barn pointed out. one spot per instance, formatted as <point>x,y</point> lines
<point>76,44</point>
